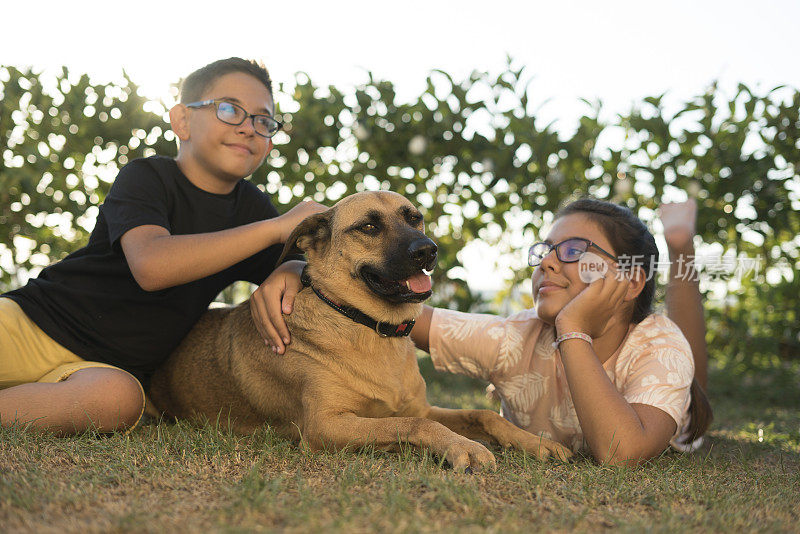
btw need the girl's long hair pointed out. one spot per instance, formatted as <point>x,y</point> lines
<point>633,241</point>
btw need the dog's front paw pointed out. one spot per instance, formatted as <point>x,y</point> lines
<point>466,455</point>
<point>543,448</point>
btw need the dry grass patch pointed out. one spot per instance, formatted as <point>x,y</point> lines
<point>175,477</point>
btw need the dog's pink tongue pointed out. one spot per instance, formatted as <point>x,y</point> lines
<point>419,283</point>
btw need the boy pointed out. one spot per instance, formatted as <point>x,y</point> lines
<point>78,342</point>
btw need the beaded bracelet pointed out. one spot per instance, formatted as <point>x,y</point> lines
<point>572,335</point>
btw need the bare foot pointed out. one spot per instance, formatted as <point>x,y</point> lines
<point>679,220</point>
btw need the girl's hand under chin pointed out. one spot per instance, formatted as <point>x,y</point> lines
<point>595,308</point>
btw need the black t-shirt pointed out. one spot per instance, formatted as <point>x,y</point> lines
<point>90,303</point>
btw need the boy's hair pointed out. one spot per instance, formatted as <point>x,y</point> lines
<point>630,237</point>
<point>194,85</point>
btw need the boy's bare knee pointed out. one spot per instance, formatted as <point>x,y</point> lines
<point>113,398</point>
<point>130,398</point>
<point>103,399</point>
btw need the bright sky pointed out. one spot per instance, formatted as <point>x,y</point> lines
<point>618,51</point>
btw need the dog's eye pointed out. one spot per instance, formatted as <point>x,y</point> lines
<point>369,228</point>
<point>415,219</point>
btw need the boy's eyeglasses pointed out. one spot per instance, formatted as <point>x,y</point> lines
<point>234,114</point>
<point>568,251</point>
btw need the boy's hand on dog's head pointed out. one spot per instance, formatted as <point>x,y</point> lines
<point>272,299</point>
<point>296,215</point>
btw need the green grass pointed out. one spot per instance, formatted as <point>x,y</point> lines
<point>181,478</point>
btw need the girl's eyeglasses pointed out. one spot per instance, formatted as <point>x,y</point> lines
<point>568,251</point>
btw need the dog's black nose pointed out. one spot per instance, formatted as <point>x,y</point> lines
<point>423,253</point>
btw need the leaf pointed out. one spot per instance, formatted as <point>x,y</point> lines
<point>510,348</point>
<point>522,391</point>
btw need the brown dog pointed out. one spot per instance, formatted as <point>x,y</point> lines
<point>344,381</point>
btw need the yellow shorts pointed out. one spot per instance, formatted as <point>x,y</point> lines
<point>28,355</point>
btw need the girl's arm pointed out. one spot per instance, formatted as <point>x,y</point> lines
<point>422,329</point>
<point>471,344</point>
<point>276,297</point>
<point>616,431</point>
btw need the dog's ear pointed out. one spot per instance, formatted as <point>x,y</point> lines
<point>314,232</point>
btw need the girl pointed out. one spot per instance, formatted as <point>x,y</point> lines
<point>591,367</point>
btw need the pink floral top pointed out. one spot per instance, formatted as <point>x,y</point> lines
<point>653,366</point>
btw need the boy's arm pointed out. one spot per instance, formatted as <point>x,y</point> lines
<point>159,260</point>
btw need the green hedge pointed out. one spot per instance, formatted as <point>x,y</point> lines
<point>470,152</point>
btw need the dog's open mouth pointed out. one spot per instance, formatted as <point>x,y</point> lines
<point>415,288</point>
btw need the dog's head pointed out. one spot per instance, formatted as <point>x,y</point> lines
<point>369,251</point>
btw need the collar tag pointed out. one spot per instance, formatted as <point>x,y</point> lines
<point>394,330</point>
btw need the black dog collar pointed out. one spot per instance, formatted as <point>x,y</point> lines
<point>382,329</point>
